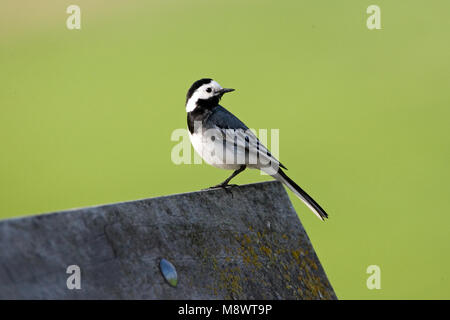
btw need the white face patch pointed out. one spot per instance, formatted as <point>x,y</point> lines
<point>206,91</point>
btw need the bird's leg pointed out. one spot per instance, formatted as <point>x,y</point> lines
<point>225,183</point>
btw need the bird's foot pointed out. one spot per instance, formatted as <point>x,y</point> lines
<point>223,186</point>
<point>227,187</point>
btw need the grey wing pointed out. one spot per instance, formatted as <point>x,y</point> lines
<point>224,119</point>
<point>240,140</point>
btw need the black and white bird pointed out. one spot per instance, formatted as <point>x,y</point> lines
<point>224,141</point>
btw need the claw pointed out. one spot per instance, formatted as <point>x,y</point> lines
<point>223,186</point>
<point>226,187</point>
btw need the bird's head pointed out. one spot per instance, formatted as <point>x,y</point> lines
<point>204,93</point>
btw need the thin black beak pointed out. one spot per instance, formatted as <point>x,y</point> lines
<point>225,90</point>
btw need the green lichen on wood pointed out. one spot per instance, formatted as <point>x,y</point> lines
<point>260,249</point>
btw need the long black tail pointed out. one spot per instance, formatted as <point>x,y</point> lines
<point>313,205</point>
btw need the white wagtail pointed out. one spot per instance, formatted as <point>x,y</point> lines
<point>223,141</point>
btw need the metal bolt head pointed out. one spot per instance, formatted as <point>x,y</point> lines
<point>169,272</point>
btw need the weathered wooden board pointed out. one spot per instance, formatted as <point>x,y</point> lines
<point>247,243</point>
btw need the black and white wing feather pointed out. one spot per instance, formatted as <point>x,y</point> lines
<point>242,143</point>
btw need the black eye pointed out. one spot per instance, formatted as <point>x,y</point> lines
<point>208,90</point>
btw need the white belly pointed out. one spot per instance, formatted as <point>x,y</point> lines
<point>205,150</point>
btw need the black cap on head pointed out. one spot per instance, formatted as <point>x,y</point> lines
<point>197,84</point>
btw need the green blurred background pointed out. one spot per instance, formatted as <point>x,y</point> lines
<point>86,116</point>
